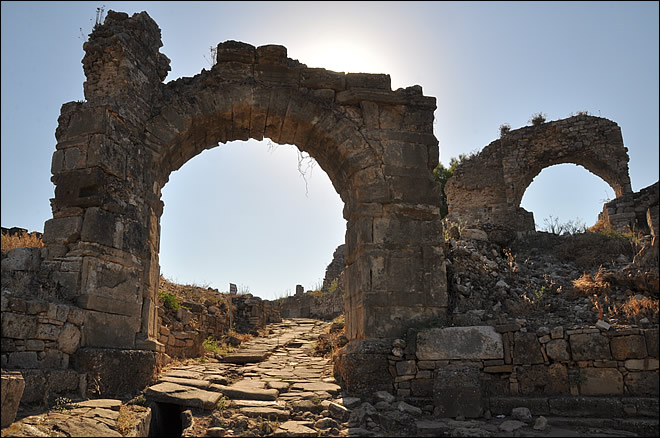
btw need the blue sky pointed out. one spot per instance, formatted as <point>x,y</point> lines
<point>241,212</point>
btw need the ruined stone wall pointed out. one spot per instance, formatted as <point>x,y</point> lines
<point>326,303</point>
<point>464,371</point>
<point>638,211</point>
<point>488,187</point>
<point>313,304</point>
<point>253,313</point>
<point>183,331</point>
<point>116,150</point>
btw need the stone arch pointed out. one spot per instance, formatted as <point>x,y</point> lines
<point>116,150</point>
<point>489,187</point>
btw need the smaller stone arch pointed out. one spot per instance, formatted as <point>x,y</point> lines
<point>488,188</point>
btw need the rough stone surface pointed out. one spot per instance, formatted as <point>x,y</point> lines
<point>459,343</point>
<point>12,391</point>
<point>487,189</point>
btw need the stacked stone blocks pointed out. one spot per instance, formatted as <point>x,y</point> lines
<point>464,371</point>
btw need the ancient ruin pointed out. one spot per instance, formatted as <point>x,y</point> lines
<point>488,187</point>
<point>434,326</point>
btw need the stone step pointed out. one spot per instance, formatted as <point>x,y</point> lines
<point>269,412</point>
<point>167,392</point>
<point>578,406</point>
<point>197,383</point>
<point>246,393</point>
<point>244,357</point>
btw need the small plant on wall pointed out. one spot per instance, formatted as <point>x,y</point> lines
<point>537,119</point>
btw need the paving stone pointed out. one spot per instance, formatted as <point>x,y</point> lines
<point>295,428</point>
<point>167,392</point>
<point>197,383</point>
<point>266,412</point>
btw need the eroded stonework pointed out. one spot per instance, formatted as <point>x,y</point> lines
<point>116,150</point>
<point>488,188</point>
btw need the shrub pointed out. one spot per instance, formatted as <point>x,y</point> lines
<point>505,128</point>
<point>537,119</point>
<point>169,300</point>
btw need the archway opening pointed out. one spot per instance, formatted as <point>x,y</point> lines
<point>566,195</point>
<point>259,215</point>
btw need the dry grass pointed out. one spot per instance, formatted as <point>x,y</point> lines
<point>637,308</point>
<point>128,418</point>
<point>588,285</point>
<point>197,294</point>
<point>23,240</point>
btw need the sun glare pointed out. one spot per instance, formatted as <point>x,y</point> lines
<point>343,56</point>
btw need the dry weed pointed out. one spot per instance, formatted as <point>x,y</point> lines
<point>588,285</point>
<point>637,308</point>
<point>23,240</point>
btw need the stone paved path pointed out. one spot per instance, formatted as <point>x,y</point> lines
<point>274,386</point>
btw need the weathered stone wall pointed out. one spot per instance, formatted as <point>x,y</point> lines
<point>183,331</point>
<point>116,150</point>
<point>464,371</point>
<point>638,211</point>
<point>488,188</point>
<point>325,304</point>
<point>251,313</point>
<point>313,304</point>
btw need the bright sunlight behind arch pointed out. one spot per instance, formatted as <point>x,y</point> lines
<point>562,187</point>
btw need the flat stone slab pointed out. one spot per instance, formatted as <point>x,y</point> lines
<point>242,392</point>
<point>266,412</point>
<point>295,428</point>
<point>185,374</point>
<point>451,343</point>
<point>317,386</point>
<point>167,392</point>
<point>103,403</point>
<point>197,383</point>
<point>246,357</point>
<point>257,403</point>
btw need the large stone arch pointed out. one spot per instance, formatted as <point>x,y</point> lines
<point>116,150</point>
<point>488,187</point>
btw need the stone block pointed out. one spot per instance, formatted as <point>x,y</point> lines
<point>590,346</point>
<point>47,332</point>
<point>68,340</point>
<point>368,80</point>
<point>422,387</point>
<point>13,386</point>
<point>62,230</point>
<point>647,364</point>
<point>599,407</point>
<point>651,336</point>
<point>526,349</point>
<point>600,381</point>
<point>106,330</point>
<point>23,359</point>
<point>63,381</point>
<point>474,234</point>
<point>457,391</point>
<point>642,383</point>
<point>98,226</point>
<point>406,367</point>
<point>454,343</point>
<point>542,379</point>
<point>117,371</point>
<point>628,347</point>
<point>110,280</point>
<point>22,259</point>
<point>18,326</point>
<point>236,51</point>
<point>557,350</point>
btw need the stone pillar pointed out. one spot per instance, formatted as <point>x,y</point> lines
<point>105,208</point>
